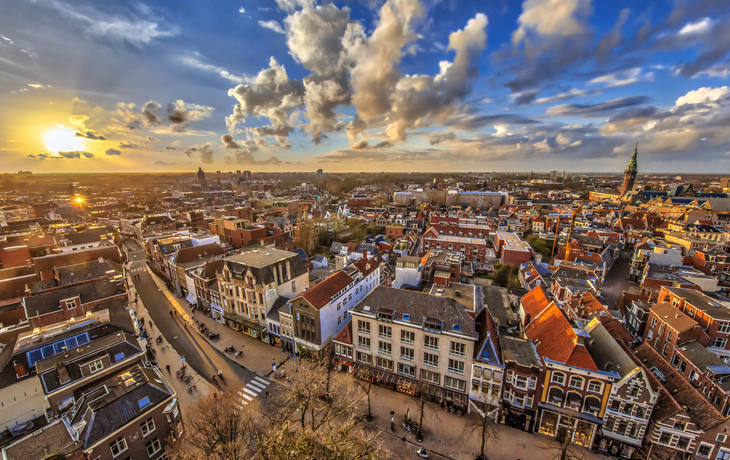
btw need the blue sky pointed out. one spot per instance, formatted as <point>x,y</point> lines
<point>365,85</point>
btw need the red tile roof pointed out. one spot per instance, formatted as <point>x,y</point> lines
<point>366,267</point>
<point>556,340</point>
<point>185,255</point>
<point>319,295</point>
<point>345,335</point>
<point>534,302</point>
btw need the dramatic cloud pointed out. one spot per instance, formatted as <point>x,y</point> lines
<point>113,151</point>
<point>128,145</point>
<point>133,29</point>
<point>272,25</point>
<point>174,146</point>
<point>702,95</point>
<point>595,110</point>
<point>204,152</point>
<point>180,112</point>
<point>74,154</point>
<point>90,135</point>
<point>151,139</point>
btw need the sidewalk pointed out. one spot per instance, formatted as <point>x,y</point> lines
<point>166,355</point>
<point>257,355</point>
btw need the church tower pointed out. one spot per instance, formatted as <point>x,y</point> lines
<point>201,179</point>
<point>630,173</point>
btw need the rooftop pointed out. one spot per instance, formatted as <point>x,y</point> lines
<point>261,258</point>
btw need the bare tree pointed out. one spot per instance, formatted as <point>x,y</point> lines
<point>304,231</point>
<point>367,389</point>
<point>487,426</point>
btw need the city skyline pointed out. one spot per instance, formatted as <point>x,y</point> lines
<point>365,86</point>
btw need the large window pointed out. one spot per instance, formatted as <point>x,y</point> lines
<point>363,342</point>
<point>385,331</point>
<point>458,349</point>
<point>430,342</point>
<point>456,367</point>
<point>153,447</point>
<point>431,377</point>
<point>723,327</point>
<point>384,364</point>
<point>147,427</point>
<point>719,343</point>
<point>405,369</point>
<point>430,359</point>
<point>455,384</point>
<point>407,353</point>
<point>118,446</point>
<point>594,386</point>
<point>364,358</point>
<point>557,378</point>
<point>363,326</point>
<point>408,337</point>
<point>384,347</point>
<point>576,382</point>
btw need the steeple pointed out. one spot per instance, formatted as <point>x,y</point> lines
<point>632,164</point>
<point>630,173</point>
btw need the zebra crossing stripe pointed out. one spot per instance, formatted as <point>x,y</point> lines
<point>246,396</point>
<point>257,386</point>
<point>250,392</point>
<point>259,379</point>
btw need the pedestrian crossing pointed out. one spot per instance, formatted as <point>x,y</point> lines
<point>135,270</point>
<point>252,390</point>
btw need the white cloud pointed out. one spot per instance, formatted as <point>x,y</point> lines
<point>623,78</point>
<point>272,25</point>
<point>698,27</point>
<point>137,31</point>
<point>193,62</point>
<point>241,10</point>
<point>703,95</point>
<point>552,18</point>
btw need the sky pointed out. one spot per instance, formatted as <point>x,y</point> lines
<point>365,85</point>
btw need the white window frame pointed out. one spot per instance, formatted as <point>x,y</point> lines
<point>144,427</point>
<point>152,444</point>
<point>120,441</point>
<point>96,366</point>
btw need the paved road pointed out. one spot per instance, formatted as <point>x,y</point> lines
<point>198,353</point>
<point>617,280</point>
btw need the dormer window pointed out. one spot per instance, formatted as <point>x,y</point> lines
<point>385,316</point>
<point>432,325</point>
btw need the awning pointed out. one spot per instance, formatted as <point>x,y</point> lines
<point>244,322</point>
<point>190,298</point>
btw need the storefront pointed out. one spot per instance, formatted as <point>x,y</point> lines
<point>559,426</point>
<point>613,447</point>
<point>248,327</point>
<point>387,380</point>
<point>517,418</point>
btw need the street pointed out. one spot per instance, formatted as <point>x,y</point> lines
<point>198,353</point>
<point>617,282</point>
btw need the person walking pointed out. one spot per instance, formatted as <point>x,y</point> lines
<point>273,367</point>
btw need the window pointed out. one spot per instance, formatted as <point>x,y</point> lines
<point>665,439</point>
<point>455,384</point>
<point>430,342</point>
<point>724,454</point>
<point>144,402</point>
<point>338,306</point>
<point>96,366</point>
<point>407,353</point>
<point>594,386</point>
<point>576,382</point>
<point>363,326</point>
<point>653,322</point>
<point>364,358</point>
<point>683,443</point>
<point>339,320</point>
<point>431,377</point>
<point>634,392</point>
<point>385,331</point>
<point>118,446</point>
<point>153,447</point>
<point>384,363</point>
<point>406,370</point>
<point>430,359</point>
<point>384,347</point>
<point>680,426</point>
<point>407,336</point>
<point>705,450</point>
<point>147,427</point>
<point>458,349</point>
<point>723,327</point>
<point>520,382</point>
<point>719,343</point>
<point>457,367</point>
<point>363,342</point>
<point>721,438</point>
<point>558,378</point>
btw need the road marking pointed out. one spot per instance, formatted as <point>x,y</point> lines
<point>256,389</point>
<point>247,396</point>
<point>259,385</point>
<point>250,392</point>
<point>265,382</point>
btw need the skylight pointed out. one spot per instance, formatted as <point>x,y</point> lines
<point>144,402</point>
<point>406,316</point>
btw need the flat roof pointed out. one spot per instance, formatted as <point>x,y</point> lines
<point>465,297</point>
<point>261,258</point>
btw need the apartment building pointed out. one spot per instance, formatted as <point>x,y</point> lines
<point>710,311</point>
<point>521,391</point>
<point>474,250</point>
<point>668,327</point>
<point>250,283</point>
<point>488,367</point>
<point>413,342</point>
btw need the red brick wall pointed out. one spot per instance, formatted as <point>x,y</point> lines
<point>14,257</point>
<point>515,257</point>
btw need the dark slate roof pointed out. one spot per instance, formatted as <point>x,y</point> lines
<point>72,274</point>
<point>72,361</point>
<point>419,306</point>
<point>112,403</point>
<point>703,358</point>
<point>48,302</point>
<point>54,438</point>
<point>300,252</point>
<point>273,314</point>
<point>521,351</point>
<point>88,236</point>
<point>606,352</point>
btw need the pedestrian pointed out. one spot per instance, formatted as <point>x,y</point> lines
<point>392,423</point>
<point>273,367</point>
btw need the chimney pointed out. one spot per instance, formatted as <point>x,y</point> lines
<point>527,318</point>
<point>20,370</point>
<point>365,254</point>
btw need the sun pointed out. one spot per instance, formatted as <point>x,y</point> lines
<point>61,139</point>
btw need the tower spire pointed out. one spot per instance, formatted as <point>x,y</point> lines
<point>630,173</point>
